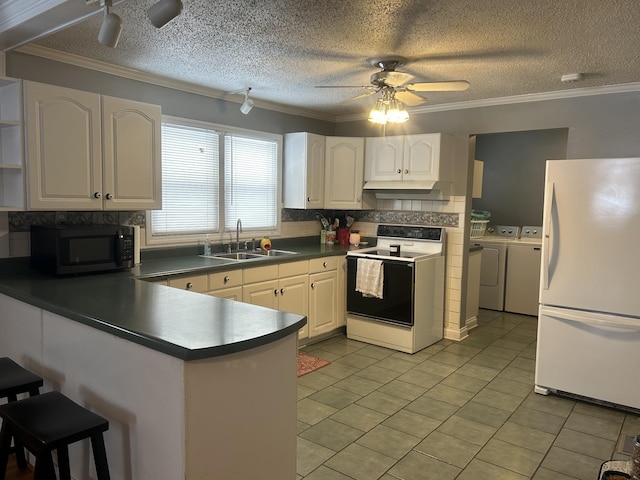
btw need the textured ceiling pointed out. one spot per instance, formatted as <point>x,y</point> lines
<point>282,49</point>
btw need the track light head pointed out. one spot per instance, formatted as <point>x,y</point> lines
<point>247,105</point>
<point>110,28</point>
<point>163,12</point>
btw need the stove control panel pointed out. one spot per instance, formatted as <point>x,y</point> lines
<point>410,232</point>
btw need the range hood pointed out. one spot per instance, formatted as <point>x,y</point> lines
<point>410,190</point>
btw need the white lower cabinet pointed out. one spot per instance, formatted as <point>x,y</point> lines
<point>313,288</point>
<point>260,286</point>
<point>226,285</point>
<point>323,295</point>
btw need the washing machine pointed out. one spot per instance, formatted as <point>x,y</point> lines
<point>522,286</point>
<point>493,268</point>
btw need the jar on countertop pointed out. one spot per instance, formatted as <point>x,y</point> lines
<point>354,237</point>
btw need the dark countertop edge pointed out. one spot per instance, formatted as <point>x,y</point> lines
<point>161,346</point>
<point>302,255</point>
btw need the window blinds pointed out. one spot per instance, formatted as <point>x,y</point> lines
<point>190,181</point>
<point>251,182</point>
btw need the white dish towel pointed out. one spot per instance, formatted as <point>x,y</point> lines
<point>369,277</point>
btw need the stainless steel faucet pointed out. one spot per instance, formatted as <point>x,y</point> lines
<point>238,230</point>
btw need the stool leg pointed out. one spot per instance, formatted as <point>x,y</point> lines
<point>100,456</point>
<point>17,445</point>
<point>5,445</point>
<point>44,466</point>
<point>63,463</point>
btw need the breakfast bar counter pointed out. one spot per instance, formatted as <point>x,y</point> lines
<point>193,386</point>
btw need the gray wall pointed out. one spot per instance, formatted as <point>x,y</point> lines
<point>514,166</point>
<point>174,102</point>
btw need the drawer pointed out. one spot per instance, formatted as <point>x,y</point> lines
<point>197,283</point>
<point>293,268</point>
<point>232,278</point>
<point>260,274</point>
<point>323,264</point>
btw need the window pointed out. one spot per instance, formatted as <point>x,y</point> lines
<point>211,177</point>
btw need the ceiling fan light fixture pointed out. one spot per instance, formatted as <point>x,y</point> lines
<point>388,109</point>
<point>163,12</point>
<point>247,105</point>
<point>110,28</point>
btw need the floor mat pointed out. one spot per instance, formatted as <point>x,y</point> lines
<point>308,363</point>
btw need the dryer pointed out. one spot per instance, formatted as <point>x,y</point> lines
<point>523,272</point>
<point>493,267</point>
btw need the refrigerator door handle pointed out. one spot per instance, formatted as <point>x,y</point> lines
<point>601,320</point>
<point>546,241</point>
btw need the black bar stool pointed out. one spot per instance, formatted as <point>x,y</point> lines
<point>15,380</point>
<point>50,422</point>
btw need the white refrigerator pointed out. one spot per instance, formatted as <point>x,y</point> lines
<point>589,316</point>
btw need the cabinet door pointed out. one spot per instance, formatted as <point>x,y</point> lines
<point>264,294</point>
<point>421,157</point>
<point>383,158</point>
<point>294,298</point>
<point>132,172</point>
<point>63,148</point>
<point>303,178</point>
<point>231,293</point>
<point>323,302</point>
<point>344,172</point>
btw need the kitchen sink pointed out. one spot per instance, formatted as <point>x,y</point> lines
<point>238,256</point>
<point>251,255</point>
<point>275,253</point>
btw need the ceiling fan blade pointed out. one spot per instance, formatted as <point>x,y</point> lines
<point>395,79</point>
<point>410,99</point>
<point>367,87</point>
<point>449,86</point>
<point>359,97</point>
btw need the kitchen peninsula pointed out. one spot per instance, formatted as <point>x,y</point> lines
<point>193,386</point>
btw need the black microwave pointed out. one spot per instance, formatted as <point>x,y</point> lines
<point>73,249</point>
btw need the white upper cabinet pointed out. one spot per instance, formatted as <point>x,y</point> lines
<point>344,174</point>
<point>87,152</point>
<point>410,158</point>
<point>11,157</point>
<point>132,146</point>
<point>303,182</point>
<point>384,158</point>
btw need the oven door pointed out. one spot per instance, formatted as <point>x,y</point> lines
<point>396,304</point>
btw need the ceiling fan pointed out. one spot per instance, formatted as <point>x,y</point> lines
<point>396,84</point>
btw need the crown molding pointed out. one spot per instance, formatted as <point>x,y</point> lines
<point>161,81</point>
<point>531,97</point>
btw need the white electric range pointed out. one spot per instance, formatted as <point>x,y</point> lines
<point>409,316</point>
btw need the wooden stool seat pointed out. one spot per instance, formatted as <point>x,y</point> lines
<point>48,422</point>
<point>15,380</point>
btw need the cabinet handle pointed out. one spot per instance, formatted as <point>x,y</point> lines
<point>97,195</point>
<point>275,292</point>
<point>313,285</point>
<point>308,199</point>
<point>406,171</point>
<point>282,291</point>
<point>358,200</point>
<point>324,264</point>
<point>109,196</point>
<point>189,285</point>
<point>226,279</point>
<point>399,171</point>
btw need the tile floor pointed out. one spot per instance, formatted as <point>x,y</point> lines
<point>456,410</point>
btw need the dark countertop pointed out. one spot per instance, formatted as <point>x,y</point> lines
<point>183,324</point>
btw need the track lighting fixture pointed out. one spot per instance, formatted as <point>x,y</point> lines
<point>110,28</point>
<point>247,105</point>
<point>164,11</point>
